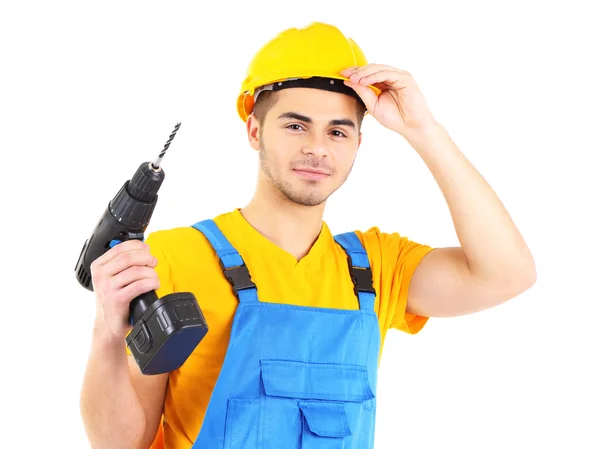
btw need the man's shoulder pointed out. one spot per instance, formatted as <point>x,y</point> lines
<point>183,238</point>
<point>378,243</point>
<point>368,237</point>
<point>171,236</point>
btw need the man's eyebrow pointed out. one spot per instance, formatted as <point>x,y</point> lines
<point>304,118</point>
<point>342,122</point>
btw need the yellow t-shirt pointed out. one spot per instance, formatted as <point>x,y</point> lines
<point>187,263</point>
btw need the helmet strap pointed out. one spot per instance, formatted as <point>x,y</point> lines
<point>329,84</point>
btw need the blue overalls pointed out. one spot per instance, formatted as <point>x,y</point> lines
<point>294,376</point>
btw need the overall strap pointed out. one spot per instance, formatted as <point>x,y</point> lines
<point>231,262</point>
<point>360,269</point>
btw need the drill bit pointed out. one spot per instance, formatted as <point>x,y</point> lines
<point>156,164</point>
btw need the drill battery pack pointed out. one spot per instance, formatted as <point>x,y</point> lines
<point>167,333</point>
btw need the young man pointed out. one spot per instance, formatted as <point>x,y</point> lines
<point>293,362</point>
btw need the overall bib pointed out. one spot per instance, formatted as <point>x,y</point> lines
<point>294,377</point>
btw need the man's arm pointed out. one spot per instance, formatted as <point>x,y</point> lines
<point>492,264</point>
<point>120,407</point>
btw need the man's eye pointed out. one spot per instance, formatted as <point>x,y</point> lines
<point>339,133</point>
<point>294,126</point>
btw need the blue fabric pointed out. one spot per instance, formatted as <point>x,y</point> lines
<point>294,377</point>
<point>353,247</point>
<point>227,254</point>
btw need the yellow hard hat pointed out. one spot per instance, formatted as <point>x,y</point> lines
<point>318,52</point>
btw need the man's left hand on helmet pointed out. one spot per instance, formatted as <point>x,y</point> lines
<point>400,107</point>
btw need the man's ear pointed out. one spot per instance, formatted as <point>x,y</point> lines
<point>253,130</point>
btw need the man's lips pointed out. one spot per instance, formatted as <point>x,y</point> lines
<point>311,173</point>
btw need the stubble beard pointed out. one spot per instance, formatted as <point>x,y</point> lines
<point>304,198</point>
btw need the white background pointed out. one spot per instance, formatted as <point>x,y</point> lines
<point>89,90</point>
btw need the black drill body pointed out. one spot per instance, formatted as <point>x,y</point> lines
<point>165,330</point>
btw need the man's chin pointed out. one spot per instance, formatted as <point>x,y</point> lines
<point>306,199</point>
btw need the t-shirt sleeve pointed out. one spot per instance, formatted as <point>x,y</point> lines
<point>394,259</point>
<point>158,248</point>
<point>157,243</point>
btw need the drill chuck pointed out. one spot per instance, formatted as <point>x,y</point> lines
<point>134,203</point>
<point>145,182</point>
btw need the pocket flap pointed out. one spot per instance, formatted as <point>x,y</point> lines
<point>326,419</point>
<point>302,380</point>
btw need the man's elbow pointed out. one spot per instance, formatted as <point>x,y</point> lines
<point>520,282</point>
<point>503,287</point>
<point>528,274</point>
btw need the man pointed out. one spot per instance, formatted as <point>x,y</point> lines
<point>293,362</point>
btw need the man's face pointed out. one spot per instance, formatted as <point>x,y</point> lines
<point>308,143</point>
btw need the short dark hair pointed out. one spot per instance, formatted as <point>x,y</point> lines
<point>267,99</point>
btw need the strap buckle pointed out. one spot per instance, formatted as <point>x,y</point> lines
<point>238,277</point>
<point>362,278</point>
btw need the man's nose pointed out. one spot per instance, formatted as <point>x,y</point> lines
<point>316,144</point>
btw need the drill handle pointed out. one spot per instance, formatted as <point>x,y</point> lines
<point>107,233</point>
<point>140,304</point>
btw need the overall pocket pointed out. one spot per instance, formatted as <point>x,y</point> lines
<point>324,425</point>
<point>313,405</point>
<point>241,424</point>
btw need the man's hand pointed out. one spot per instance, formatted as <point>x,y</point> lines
<point>400,107</point>
<point>120,275</point>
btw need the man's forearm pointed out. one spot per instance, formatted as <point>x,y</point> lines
<point>495,249</point>
<point>110,408</point>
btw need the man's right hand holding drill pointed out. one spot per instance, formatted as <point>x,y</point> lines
<point>120,407</point>
<point>120,275</point>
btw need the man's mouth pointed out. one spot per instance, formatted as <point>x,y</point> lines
<point>311,173</point>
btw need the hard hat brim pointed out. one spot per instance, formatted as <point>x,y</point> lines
<point>246,99</point>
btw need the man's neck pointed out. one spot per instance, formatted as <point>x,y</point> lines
<point>292,227</point>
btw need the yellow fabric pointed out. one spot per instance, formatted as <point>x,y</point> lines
<point>188,263</point>
<point>318,49</point>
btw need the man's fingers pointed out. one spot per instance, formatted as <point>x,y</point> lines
<point>128,245</point>
<point>135,289</point>
<point>372,68</point>
<point>389,77</point>
<point>127,259</point>
<point>365,93</point>
<point>131,275</point>
<point>378,73</point>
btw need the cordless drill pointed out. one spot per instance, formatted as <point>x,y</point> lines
<point>165,330</point>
